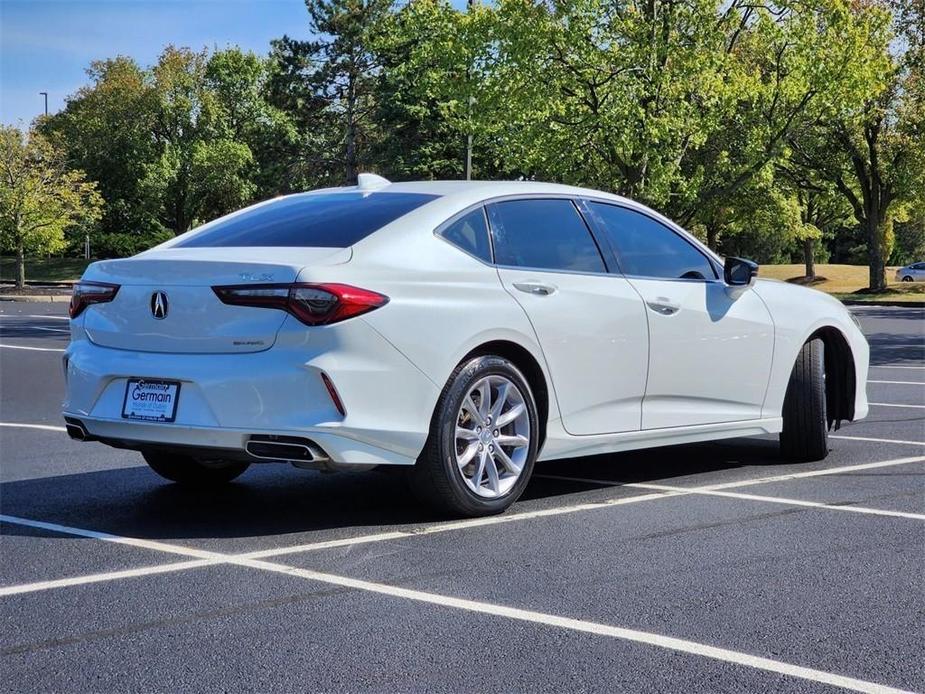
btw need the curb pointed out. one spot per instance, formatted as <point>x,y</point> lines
<point>900,304</point>
<point>36,298</point>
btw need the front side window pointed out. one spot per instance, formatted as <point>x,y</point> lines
<point>470,233</point>
<point>543,234</point>
<point>647,248</point>
<point>328,220</point>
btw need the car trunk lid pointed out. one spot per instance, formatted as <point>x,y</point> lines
<point>165,301</point>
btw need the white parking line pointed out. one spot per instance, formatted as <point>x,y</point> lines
<point>845,469</point>
<point>900,383</point>
<point>52,330</point>
<point>785,501</point>
<point>888,366</point>
<point>43,427</point>
<point>33,349</point>
<point>109,576</point>
<point>596,628</point>
<point>454,525</point>
<point>903,442</point>
<point>479,522</point>
<point>497,610</point>
<point>108,537</point>
<point>893,404</point>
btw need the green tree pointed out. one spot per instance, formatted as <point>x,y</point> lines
<point>421,142</point>
<point>875,154</point>
<point>40,198</point>
<point>106,130</point>
<point>242,114</point>
<point>789,64</point>
<point>335,76</point>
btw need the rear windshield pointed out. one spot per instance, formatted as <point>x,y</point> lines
<point>328,220</point>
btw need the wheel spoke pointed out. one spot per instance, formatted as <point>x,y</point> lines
<point>479,470</point>
<point>464,458</point>
<point>492,468</point>
<point>500,400</point>
<point>470,407</point>
<point>515,441</point>
<point>506,461</point>
<point>510,415</point>
<point>466,434</point>
<point>484,389</point>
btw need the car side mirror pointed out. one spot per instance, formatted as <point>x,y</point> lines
<point>739,272</point>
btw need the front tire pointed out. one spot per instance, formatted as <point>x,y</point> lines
<point>186,470</point>
<point>483,440</point>
<point>805,434</point>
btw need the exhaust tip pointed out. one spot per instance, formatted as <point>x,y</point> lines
<point>289,448</point>
<point>76,430</point>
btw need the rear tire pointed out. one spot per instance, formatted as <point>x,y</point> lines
<point>805,434</point>
<point>186,470</point>
<point>479,457</point>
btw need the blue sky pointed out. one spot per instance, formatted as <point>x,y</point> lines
<point>45,45</point>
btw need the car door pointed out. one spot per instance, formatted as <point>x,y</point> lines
<point>918,274</point>
<point>710,349</point>
<point>590,324</point>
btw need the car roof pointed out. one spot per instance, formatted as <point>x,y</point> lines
<point>455,196</point>
<point>481,188</point>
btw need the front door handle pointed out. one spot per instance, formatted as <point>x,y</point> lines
<point>663,306</point>
<point>535,288</point>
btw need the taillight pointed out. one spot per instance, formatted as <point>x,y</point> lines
<point>313,304</point>
<point>86,293</point>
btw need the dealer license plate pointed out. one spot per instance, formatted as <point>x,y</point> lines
<point>151,400</point>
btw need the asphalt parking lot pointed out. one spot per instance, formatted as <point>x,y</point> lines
<point>700,568</point>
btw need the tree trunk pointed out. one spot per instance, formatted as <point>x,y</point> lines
<point>712,237</point>
<point>877,272</point>
<point>809,259</point>
<point>351,168</point>
<point>20,266</point>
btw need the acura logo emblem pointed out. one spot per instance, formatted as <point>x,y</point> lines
<point>159,305</point>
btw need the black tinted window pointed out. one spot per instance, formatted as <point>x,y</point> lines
<point>332,220</point>
<point>648,248</point>
<point>470,233</point>
<point>546,234</point>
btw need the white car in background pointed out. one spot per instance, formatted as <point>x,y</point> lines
<point>911,273</point>
<point>461,329</point>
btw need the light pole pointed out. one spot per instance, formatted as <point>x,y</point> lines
<point>469,4</point>
<point>45,94</point>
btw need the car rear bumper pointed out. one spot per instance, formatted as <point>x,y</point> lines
<point>227,399</point>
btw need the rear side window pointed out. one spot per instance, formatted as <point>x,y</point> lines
<point>647,248</point>
<point>544,234</point>
<point>470,233</point>
<point>329,220</point>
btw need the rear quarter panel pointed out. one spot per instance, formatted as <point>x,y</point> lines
<point>443,303</point>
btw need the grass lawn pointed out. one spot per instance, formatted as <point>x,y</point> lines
<point>847,282</point>
<point>44,269</point>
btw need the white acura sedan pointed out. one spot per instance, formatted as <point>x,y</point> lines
<point>461,329</point>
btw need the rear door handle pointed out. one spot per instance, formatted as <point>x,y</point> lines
<point>663,306</point>
<point>535,288</point>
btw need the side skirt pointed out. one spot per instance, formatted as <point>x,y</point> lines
<point>560,444</point>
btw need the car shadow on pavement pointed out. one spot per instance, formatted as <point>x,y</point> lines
<point>274,500</point>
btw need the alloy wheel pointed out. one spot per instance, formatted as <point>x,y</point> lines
<point>492,437</point>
